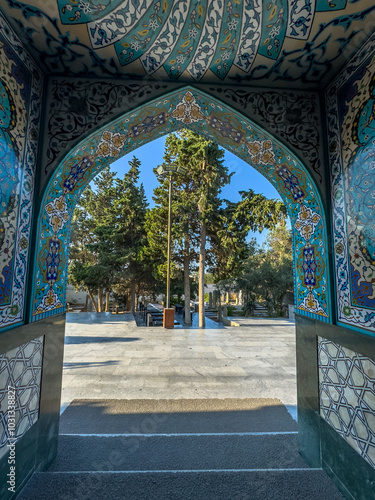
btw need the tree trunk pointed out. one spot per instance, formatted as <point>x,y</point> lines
<point>132,296</point>
<point>107,302</point>
<point>187,282</point>
<point>92,299</point>
<point>137,297</point>
<point>202,258</point>
<point>87,303</point>
<point>100,299</point>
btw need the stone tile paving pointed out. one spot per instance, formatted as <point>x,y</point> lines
<point>108,357</point>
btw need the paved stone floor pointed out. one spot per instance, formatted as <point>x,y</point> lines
<point>108,357</point>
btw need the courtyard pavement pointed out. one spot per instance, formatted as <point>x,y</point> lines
<point>108,357</point>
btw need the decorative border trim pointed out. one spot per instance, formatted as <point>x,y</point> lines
<point>356,317</point>
<point>187,108</point>
<point>29,162</point>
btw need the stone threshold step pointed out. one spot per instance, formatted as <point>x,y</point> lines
<point>166,416</point>
<point>310,484</point>
<point>178,452</point>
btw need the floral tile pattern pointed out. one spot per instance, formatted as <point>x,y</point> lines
<point>347,395</point>
<point>275,41</point>
<point>20,105</point>
<point>351,122</point>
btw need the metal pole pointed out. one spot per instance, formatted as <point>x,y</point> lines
<point>169,244</point>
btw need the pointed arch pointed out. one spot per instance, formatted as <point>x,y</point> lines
<point>193,109</point>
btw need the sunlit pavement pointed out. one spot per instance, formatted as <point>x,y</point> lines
<point>108,357</point>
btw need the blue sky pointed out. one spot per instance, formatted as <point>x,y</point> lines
<point>245,177</point>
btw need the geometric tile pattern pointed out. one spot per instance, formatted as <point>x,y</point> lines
<point>20,372</point>
<point>273,42</point>
<point>351,122</point>
<point>183,108</point>
<point>347,395</point>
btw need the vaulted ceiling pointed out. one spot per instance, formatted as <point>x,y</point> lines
<point>272,42</point>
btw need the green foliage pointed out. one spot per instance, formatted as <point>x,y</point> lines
<point>196,199</point>
<point>130,207</point>
<point>209,279</point>
<point>232,311</point>
<point>93,262</point>
<point>254,212</point>
<point>119,244</point>
<point>195,203</point>
<point>268,271</point>
<point>108,234</point>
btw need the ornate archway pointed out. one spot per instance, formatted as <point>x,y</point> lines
<point>186,108</point>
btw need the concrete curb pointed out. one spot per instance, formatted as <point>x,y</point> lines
<point>229,322</point>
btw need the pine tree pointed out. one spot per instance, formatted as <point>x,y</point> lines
<point>207,230</point>
<point>109,235</point>
<point>210,176</point>
<point>130,205</point>
<point>195,202</point>
<point>92,263</point>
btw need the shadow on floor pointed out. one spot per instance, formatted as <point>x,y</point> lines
<point>212,449</point>
<point>98,318</point>
<point>82,364</point>
<point>166,415</point>
<point>256,325</point>
<point>71,339</point>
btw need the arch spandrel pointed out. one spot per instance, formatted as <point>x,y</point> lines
<point>77,107</point>
<point>184,108</point>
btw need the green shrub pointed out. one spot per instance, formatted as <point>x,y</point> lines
<point>232,311</point>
